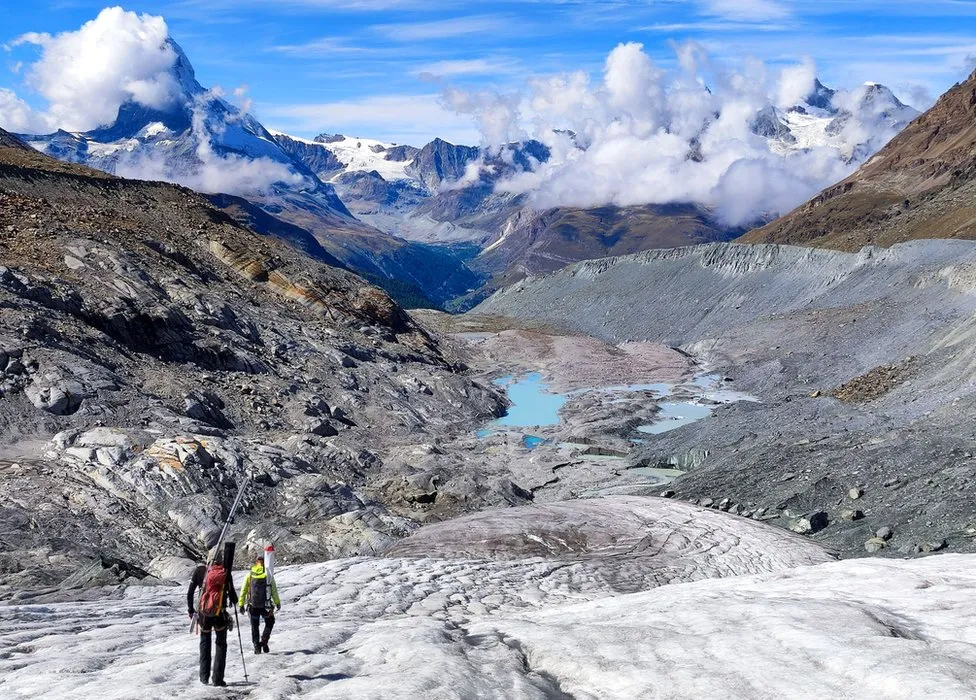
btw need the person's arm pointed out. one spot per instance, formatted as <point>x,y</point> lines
<point>274,594</point>
<point>194,584</point>
<point>245,589</point>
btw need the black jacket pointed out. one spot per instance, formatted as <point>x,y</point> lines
<point>196,581</point>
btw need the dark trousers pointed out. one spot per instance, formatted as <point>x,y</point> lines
<point>209,626</point>
<point>269,620</point>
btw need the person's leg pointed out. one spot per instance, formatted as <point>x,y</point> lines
<point>205,636</point>
<point>269,622</point>
<point>256,630</point>
<point>220,656</point>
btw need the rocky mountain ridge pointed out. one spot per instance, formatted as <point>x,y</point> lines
<point>369,203</point>
<point>449,193</point>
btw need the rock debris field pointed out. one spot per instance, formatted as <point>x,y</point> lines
<point>862,364</point>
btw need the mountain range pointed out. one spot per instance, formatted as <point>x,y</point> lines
<point>433,225</point>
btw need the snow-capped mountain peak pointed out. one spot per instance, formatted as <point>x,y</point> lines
<point>183,72</point>
<point>198,139</point>
<point>855,123</point>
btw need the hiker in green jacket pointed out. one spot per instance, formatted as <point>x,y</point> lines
<point>260,597</point>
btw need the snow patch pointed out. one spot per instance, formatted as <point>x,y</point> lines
<point>358,154</point>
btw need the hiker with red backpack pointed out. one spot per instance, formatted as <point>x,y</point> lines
<point>259,594</point>
<point>217,586</point>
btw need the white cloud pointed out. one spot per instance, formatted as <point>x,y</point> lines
<point>746,10</point>
<point>85,75</point>
<point>644,135</point>
<point>497,115</point>
<point>795,83</point>
<point>17,116</point>
<point>326,46</point>
<point>720,26</point>
<point>446,28</point>
<point>477,66</point>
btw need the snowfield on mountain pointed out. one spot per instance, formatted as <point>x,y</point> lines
<point>531,603</point>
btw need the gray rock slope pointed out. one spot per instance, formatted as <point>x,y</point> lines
<point>862,363</point>
<point>154,354</point>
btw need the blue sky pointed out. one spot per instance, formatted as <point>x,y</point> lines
<point>376,67</point>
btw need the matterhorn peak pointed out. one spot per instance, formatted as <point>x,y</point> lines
<point>183,73</point>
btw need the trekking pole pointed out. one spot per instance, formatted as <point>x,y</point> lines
<point>240,641</point>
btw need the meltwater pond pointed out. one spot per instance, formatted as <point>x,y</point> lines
<point>532,402</point>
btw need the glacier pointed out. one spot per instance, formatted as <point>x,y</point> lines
<point>608,598</point>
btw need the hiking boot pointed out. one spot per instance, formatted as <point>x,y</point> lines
<point>220,684</point>
<point>257,648</point>
<point>264,646</point>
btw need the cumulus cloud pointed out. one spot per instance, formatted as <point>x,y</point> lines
<point>496,114</point>
<point>85,75</point>
<point>645,135</point>
<point>17,116</point>
<point>795,83</point>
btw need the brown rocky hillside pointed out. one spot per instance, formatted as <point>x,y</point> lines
<point>921,185</point>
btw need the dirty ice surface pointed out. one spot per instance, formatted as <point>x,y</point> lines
<point>481,618</point>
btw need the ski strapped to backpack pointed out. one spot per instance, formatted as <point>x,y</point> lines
<point>269,561</point>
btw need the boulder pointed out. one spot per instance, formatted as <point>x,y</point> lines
<point>875,544</point>
<point>61,397</point>
<point>884,533</point>
<point>810,524</point>
<point>851,514</point>
<point>420,488</point>
<point>206,407</point>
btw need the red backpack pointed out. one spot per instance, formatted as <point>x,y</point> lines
<point>212,599</point>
